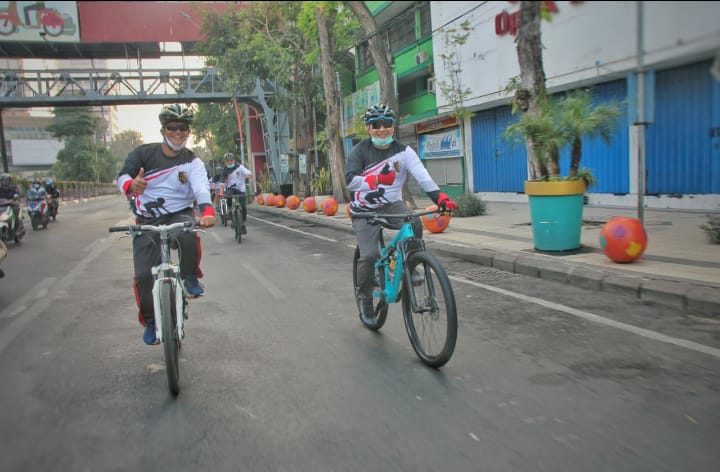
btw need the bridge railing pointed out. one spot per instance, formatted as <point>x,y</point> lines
<point>109,86</point>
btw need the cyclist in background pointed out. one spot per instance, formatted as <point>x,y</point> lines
<point>163,181</point>
<point>234,176</point>
<point>375,171</point>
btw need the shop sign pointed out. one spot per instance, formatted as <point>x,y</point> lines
<point>440,145</point>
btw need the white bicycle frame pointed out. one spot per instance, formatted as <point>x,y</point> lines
<point>178,289</point>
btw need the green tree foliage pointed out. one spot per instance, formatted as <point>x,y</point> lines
<point>277,43</point>
<point>84,157</point>
<point>122,143</point>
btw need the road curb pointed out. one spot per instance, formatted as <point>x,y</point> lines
<point>698,299</point>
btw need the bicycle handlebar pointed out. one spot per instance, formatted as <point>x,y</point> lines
<point>371,215</point>
<point>158,228</point>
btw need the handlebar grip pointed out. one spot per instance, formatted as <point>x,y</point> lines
<point>117,229</point>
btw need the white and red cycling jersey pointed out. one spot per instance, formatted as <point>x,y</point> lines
<point>173,183</point>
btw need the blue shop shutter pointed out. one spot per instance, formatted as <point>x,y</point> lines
<point>679,149</point>
<point>498,164</point>
<point>609,162</point>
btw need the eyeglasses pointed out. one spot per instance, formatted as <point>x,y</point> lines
<point>382,123</point>
<point>183,128</point>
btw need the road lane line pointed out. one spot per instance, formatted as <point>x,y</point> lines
<point>22,303</point>
<point>14,329</point>
<point>646,333</point>
<point>296,230</point>
<point>269,286</point>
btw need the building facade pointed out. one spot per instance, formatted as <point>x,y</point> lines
<point>662,54</point>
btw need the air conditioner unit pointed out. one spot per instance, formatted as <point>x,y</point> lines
<point>421,57</point>
<point>431,85</point>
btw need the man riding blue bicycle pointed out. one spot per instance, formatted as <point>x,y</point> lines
<point>234,176</point>
<point>375,171</point>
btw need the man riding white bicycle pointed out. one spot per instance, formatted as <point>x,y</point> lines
<point>375,171</point>
<point>162,182</point>
<point>234,176</point>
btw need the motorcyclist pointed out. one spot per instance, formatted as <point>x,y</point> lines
<point>234,176</point>
<point>37,191</point>
<point>54,195</point>
<point>8,191</point>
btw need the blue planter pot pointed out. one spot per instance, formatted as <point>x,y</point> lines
<point>556,214</point>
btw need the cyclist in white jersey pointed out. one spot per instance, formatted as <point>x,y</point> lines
<point>375,171</point>
<point>163,181</point>
<point>234,176</point>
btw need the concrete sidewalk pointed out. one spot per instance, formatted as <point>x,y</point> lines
<point>680,267</point>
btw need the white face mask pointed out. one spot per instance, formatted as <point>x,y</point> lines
<point>173,147</point>
<point>382,141</point>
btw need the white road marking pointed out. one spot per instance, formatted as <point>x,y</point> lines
<point>646,333</point>
<point>269,286</point>
<point>297,230</point>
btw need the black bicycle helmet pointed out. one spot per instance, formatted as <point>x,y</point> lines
<point>175,112</point>
<point>379,112</point>
<point>229,157</point>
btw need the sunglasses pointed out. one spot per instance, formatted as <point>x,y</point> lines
<point>382,123</point>
<point>182,128</point>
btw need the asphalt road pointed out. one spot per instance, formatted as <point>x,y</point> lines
<point>278,374</point>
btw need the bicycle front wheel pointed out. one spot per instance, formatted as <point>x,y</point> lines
<point>223,212</point>
<point>238,229</point>
<point>379,305</point>
<point>171,340</point>
<point>429,309</point>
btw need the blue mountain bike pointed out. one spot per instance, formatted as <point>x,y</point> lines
<point>407,271</point>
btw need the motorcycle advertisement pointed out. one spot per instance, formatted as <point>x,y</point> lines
<point>39,21</point>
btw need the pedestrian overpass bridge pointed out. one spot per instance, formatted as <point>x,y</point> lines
<point>104,87</point>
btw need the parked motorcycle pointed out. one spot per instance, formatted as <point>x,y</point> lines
<point>38,210</point>
<point>10,229</point>
<point>3,255</point>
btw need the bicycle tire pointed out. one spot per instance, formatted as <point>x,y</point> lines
<point>238,229</point>
<point>171,341</point>
<point>223,212</point>
<point>433,337</point>
<point>380,306</point>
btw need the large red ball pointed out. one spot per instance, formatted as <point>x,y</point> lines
<point>435,223</point>
<point>280,201</point>
<point>329,206</point>
<point>292,202</point>
<point>309,205</point>
<point>623,239</point>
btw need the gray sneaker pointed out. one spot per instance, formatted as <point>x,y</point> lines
<point>367,311</point>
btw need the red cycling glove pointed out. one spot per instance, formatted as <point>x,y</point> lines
<point>444,203</point>
<point>385,177</point>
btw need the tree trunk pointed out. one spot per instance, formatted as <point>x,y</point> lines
<point>532,75</point>
<point>378,53</point>
<point>381,61</point>
<point>336,155</point>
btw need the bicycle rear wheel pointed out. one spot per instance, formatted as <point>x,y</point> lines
<point>238,225</point>
<point>380,306</point>
<point>171,340</point>
<point>429,309</point>
<point>223,211</point>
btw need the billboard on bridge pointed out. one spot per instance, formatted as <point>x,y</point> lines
<point>39,21</point>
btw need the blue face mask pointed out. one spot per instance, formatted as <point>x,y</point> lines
<point>382,142</point>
